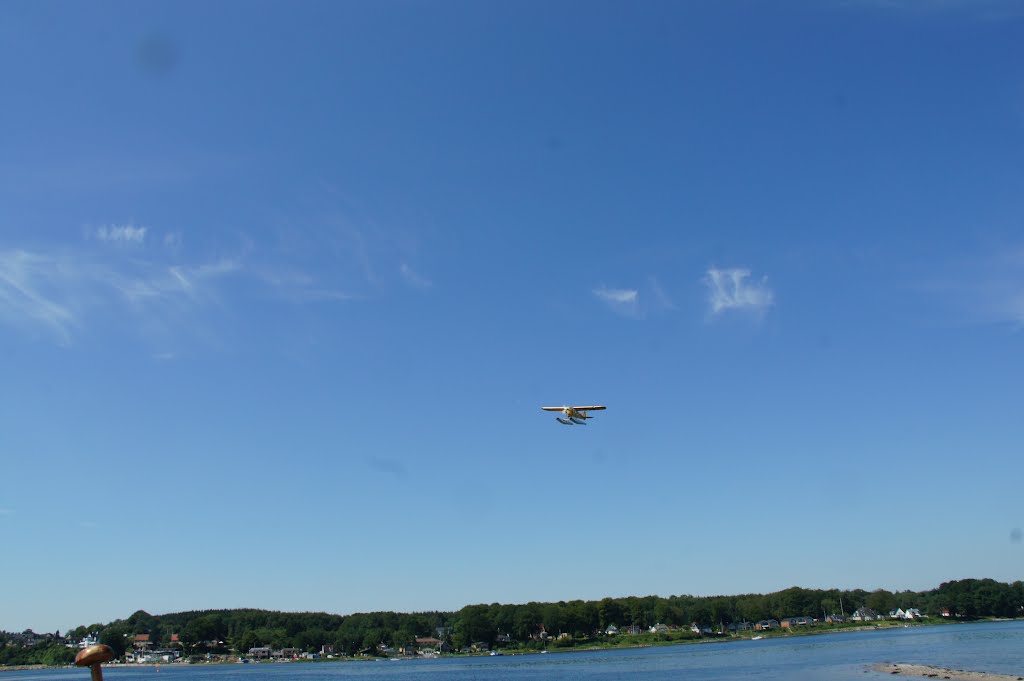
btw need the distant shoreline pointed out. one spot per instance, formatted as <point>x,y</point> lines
<point>892,668</point>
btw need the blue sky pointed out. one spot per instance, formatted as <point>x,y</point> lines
<point>284,285</point>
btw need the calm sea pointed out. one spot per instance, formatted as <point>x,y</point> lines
<point>992,647</point>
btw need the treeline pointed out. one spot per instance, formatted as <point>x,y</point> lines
<point>531,624</point>
<point>47,650</point>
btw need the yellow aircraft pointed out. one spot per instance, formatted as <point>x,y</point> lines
<point>574,415</point>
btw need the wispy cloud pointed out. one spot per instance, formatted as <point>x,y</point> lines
<point>355,242</point>
<point>145,281</point>
<point>57,292</point>
<point>985,290</point>
<point>120,234</point>
<point>413,278</point>
<point>1001,287</point>
<point>27,295</point>
<point>729,289</point>
<point>319,294</point>
<point>623,301</point>
<point>172,240</point>
<point>660,296</point>
<point>298,287</point>
<point>6,511</point>
<point>218,267</point>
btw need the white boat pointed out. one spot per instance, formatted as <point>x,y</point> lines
<point>757,638</point>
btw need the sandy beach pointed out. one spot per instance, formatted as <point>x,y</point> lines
<point>940,673</point>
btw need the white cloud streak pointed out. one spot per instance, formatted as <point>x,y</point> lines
<point>56,292</point>
<point>617,296</point>
<point>121,234</point>
<point>25,296</point>
<point>728,289</point>
<point>136,279</point>
<point>622,301</point>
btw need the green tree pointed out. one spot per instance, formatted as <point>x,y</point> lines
<point>721,610</point>
<point>751,608</point>
<point>310,640</point>
<point>702,614</point>
<point>474,625</point>
<point>245,641</point>
<point>881,601</point>
<point>57,655</point>
<point>116,636</point>
<point>374,636</point>
<point>526,621</point>
<point>609,612</point>
<point>662,612</point>
<point>200,632</point>
<point>555,621</point>
<point>636,613</point>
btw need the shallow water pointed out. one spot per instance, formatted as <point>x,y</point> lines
<point>991,646</point>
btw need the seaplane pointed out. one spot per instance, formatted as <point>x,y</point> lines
<point>574,415</point>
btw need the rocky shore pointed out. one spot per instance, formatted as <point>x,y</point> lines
<point>930,672</point>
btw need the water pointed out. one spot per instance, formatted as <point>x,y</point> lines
<point>992,647</point>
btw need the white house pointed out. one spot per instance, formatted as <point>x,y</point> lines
<point>908,614</point>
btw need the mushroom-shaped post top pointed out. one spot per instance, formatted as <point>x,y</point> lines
<point>92,657</point>
<point>97,654</point>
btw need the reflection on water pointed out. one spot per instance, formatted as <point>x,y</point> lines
<point>994,647</point>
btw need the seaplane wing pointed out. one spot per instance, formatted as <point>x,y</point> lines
<point>574,416</point>
<point>587,408</point>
